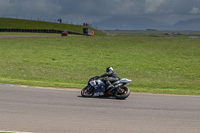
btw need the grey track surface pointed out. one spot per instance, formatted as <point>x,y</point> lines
<point>33,109</point>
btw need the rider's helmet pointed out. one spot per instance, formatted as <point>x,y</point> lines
<point>109,69</point>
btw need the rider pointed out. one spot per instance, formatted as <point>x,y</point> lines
<point>111,77</point>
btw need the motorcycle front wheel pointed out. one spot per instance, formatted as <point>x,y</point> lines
<point>122,92</point>
<point>88,91</point>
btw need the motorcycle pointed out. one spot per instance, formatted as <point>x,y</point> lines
<point>96,88</point>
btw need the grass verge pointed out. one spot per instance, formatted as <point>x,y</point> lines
<point>156,65</point>
<point>30,24</point>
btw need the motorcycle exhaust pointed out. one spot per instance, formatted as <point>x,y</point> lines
<point>116,86</point>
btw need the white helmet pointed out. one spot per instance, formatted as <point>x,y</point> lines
<point>109,69</point>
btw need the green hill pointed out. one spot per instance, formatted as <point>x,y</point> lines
<point>30,24</point>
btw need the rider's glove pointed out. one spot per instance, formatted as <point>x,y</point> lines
<point>97,77</point>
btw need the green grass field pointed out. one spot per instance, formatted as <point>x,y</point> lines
<point>154,64</point>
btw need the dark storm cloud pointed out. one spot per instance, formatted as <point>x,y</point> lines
<point>95,10</point>
<point>28,7</point>
<point>101,7</point>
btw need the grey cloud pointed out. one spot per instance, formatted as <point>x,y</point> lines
<point>94,10</point>
<point>28,7</point>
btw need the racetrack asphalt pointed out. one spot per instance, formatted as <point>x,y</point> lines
<point>44,110</point>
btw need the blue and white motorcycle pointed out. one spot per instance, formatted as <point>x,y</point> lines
<point>96,88</point>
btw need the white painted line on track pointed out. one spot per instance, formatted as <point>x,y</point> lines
<point>53,88</point>
<point>75,89</point>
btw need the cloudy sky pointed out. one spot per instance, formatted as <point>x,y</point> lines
<point>78,11</point>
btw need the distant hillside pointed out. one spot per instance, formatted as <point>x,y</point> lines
<point>29,24</point>
<point>141,23</point>
<point>129,23</point>
<point>192,24</point>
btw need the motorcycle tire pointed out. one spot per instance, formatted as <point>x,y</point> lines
<point>85,93</point>
<point>122,93</point>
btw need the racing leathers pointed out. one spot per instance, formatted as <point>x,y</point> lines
<point>111,77</point>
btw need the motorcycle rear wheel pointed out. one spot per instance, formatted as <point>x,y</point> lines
<point>122,93</point>
<point>87,92</point>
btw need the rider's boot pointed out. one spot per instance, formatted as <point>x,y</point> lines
<point>109,85</point>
